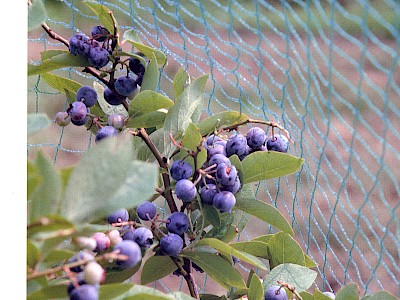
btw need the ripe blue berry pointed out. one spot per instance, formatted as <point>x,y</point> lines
<point>224,201</point>
<point>226,174</point>
<point>118,216</point>
<point>185,190</point>
<point>80,256</point>
<point>255,137</point>
<point>105,132</point>
<point>219,147</point>
<point>136,65</point>
<point>171,244</point>
<point>116,120</point>
<point>236,144</point>
<point>77,111</point>
<point>143,237</point>
<point>130,249</point>
<point>112,98</point>
<point>218,159</point>
<point>82,121</point>
<point>211,139</point>
<point>99,33</point>
<point>127,232</point>
<point>278,143</point>
<point>329,294</point>
<point>85,292</point>
<point>181,170</point>
<point>62,118</point>
<point>146,210</point>
<point>102,242</point>
<point>178,223</point>
<point>76,43</point>
<point>98,57</point>
<point>275,293</point>
<point>207,193</point>
<point>232,188</point>
<point>125,86</point>
<point>87,95</point>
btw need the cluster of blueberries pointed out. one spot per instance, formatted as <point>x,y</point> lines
<point>277,292</point>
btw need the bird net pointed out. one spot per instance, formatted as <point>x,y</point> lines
<point>328,71</point>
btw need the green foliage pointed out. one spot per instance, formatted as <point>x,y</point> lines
<point>36,14</point>
<point>37,122</point>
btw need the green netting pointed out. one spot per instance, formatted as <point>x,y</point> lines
<point>328,71</point>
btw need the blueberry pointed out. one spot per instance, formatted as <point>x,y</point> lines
<point>116,120</point>
<point>178,223</point>
<point>99,33</point>
<point>125,86</point>
<point>143,237</point>
<point>146,210</point>
<point>85,292</point>
<point>77,111</point>
<point>224,201</point>
<point>83,121</point>
<point>185,190</point>
<point>171,244</point>
<point>329,294</point>
<point>219,147</point>
<point>127,232</point>
<point>139,79</point>
<point>256,137</point>
<point>130,249</point>
<point>236,144</point>
<point>112,98</point>
<point>136,65</point>
<point>76,43</point>
<point>62,118</point>
<point>105,132</point>
<point>94,273</point>
<point>275,293</point>
<point>232,188</point>
<point>98,57</point>
<point>246,152</point>
<point>87,95</point>
<point>102,242</point>
<point>218,159</point>
<point>71,286</point>
<point>226,174</point>
<point>118,216</point>
<point>181,170</point>
<point>80,256</point>
<point>278,143</point>
<point>211,139</point>
<point>207,193</point>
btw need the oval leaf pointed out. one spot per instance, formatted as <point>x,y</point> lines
<point>152,119</point>
<point>181,80</point>
<point>226,118</point>
<point>262,165</point>
<point>282,248</point>
<point>256,289</point>
<point>37,122</point>
<point>300,277</point>
<point>151,77</point>
<point>348,292</point>
<point>256,248</point>
<point>106,179</point>
<point>156,267</point>
<point>148,101</point>
<point>103,13</point>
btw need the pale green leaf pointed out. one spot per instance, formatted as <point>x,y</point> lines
<point>282,248</point>
<point>218,120</point>
<point>36,14</point>
<point>155,268</point>
<point>151,119</point>
<point>256,289</point>
<point>151,77</point>
<point>37,122</point>
<point>103,13</point>
<point>181,81</point>
<point>348,292</point>
<point>58,62</point>
<point>148,101</point>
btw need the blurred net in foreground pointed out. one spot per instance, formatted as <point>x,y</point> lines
<point>328,71</point>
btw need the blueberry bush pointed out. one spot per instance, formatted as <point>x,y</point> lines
<point>98,225</point>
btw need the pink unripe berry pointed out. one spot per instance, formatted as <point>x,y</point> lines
<point>94,273</point>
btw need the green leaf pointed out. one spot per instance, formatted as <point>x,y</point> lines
<point>380,295</point>
<point>262,165</point>
<point>264,212</point>
<point>298,276</point>
<point>282,248</point>
<point>179,116</point>
<point>106,179</point>
<point>227,250</point>
<point>151,77</point>
<point>148,101</point>
<point>256,248</point>
<point>181,81</point>
<point>309,263</point>
<point>211,214</point>
<point>156,267</point>
<point>226,118</point>
<point>33,178</point>
<point>131,37</point>
<point>157,137</point>
<point>308,296</point>
<point>107,109</point>
<point>218,268</point>
<point>50,53</point>
<point>57,255</point>
<point>49,292</point>
<point>256,289</point>
<point>58,62</point>
<point>113,290</point>
<point>36,14</point>
<point>348,292</point>
<point>51,225</point>
<point>152,119</point>
<point>192,137</point>
<point>103,13</point>
<point>32,254</point>
<point>234,159</point>
<point>263,238</point>
<point>61,83</point>
<point>45,199</point>
<point>117,276</point>
<point>37,122</point>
